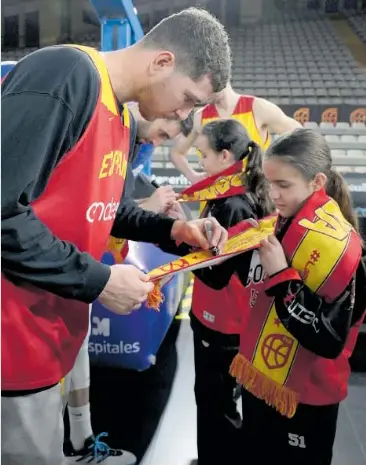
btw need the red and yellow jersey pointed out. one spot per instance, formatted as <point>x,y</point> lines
<point>243,113</point>
<point>41,332</point>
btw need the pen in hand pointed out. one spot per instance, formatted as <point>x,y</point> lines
<point>209,233</point>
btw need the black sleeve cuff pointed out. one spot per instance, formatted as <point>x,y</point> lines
<point>97,277</point>
<point>174,249</point>
<point>164,230</point>
<point>137,224</point>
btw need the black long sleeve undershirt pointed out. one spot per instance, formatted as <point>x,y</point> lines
<point>42,120</point>
<point>134,223</point>
<point>319,326</point>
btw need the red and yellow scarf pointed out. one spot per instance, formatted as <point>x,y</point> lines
<point>242,238</point>
<point>324,248</point>
<point>228,183</point>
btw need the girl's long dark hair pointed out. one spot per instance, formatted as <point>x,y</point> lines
<point>229,134</point>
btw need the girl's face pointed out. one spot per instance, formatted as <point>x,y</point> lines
<point>288,189</point>
<point>213,162</point>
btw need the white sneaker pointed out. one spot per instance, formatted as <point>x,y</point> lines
<point>97,451</point>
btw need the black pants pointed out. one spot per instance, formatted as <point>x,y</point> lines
<point>268,438</point>
<point>218,421</point>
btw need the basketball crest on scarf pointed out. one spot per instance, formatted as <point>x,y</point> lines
<point>324,248</point>
<point>229,182</point>
<point>242,237</point>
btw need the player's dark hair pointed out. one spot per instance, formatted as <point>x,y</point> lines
<point>199,42</point>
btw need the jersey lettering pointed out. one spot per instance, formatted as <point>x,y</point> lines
<point>302,314</point>
<point>256,273</point>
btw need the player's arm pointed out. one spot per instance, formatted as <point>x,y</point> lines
<point>271,117</point>
<point>178,153</point>
<point>38,129</point>
<point>134,223</point>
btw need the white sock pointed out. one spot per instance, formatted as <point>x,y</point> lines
<point>80,425</point>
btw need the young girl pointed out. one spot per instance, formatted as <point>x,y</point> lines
<point>217,316</point>
<point>306,308</point>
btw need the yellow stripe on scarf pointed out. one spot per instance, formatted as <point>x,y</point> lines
<point>275,345</point>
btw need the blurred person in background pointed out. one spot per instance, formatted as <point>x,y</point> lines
<point>259,117</point>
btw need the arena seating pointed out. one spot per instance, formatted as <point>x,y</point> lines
<point>90,39</point>
<point>290,59</point>
<point>16,54</point>
<point>357,21</point>
<point>348,144</point>
<point>296,60</point>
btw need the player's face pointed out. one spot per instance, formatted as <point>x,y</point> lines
<point>170,94</point>
<point>159,131</point>
<point>288,187</point>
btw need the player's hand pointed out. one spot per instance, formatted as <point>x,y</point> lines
<point>161,200</point>
<point>126,289</point>
<point>272,256</point>
<point>194,233</point>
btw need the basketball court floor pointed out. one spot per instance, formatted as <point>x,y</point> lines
<point>153,413</point>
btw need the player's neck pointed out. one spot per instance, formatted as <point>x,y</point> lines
<point>226,105</point>
<point>122,74</point>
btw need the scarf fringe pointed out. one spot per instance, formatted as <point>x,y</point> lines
<point>283,399</point>
<point>155,297</point>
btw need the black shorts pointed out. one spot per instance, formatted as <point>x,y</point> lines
<point>269,438</point>
<point>218,420</point>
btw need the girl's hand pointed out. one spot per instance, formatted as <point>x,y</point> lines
<point>272,256</point>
